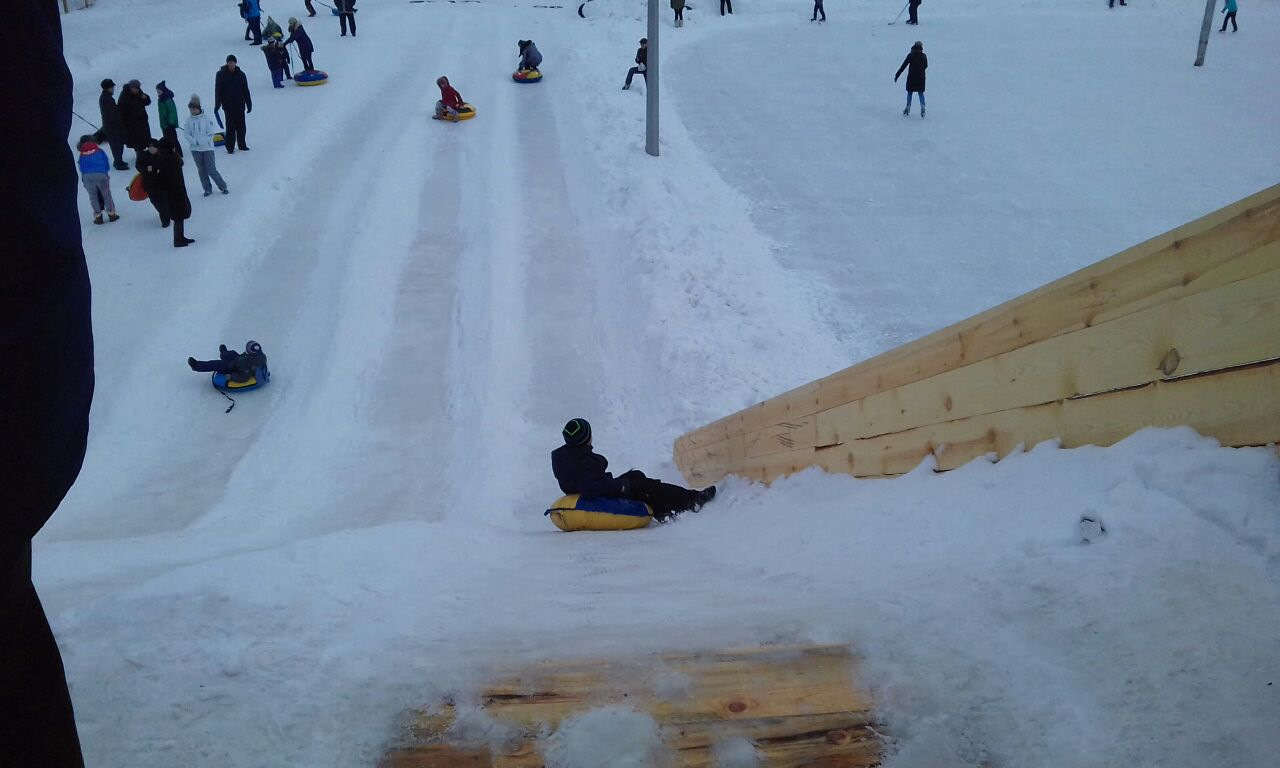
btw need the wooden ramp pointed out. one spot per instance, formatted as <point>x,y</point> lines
<point>797,704</point>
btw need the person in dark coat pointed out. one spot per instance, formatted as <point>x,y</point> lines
<point>579,469</point>
<point>173,187</point>
<point>305,48</point>
<point>46,336</point>
<point>818,9</point>
<point>133,112</point>
<point>724,4</point>
<point>251,12</point>
<point>530,56</point>
<point>346,13</point>
<point>149,169</point>
<point>112,131</point>
<point>642,64</point>
<point>231,94</point>
<point>311,9</point>
<point>915,64</point>
<point>274,51</point>
<point>911,12</point>
<point>239,367</point>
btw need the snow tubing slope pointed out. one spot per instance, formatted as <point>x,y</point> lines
<point>260,378</point>
<point>314,77</point>
<point>589,513</point>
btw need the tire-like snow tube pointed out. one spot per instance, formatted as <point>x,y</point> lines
<point>589,513</point>
<point>219,140</point>
<point>527,76</point>
<point>314,77</point>
<point>260,377</point>
<point>137,192</point>
<point>465,113</point>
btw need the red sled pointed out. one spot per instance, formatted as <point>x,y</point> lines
<point>136,191</point>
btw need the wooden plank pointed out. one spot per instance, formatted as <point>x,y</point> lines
<point>437,756</point>
<point>1238,407</point>
<point>1226,246</point>
<point>1227,327</point>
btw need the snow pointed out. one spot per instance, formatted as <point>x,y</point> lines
<point>278,584</point>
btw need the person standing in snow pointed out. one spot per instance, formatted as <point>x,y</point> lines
<point>168,111</point>
<point>199,131</point>
<point>133,113</point>
<point>95,171</point>
<point>912,7</point>
<point>1229,8</point>
<point>915,64</point>
<point>450,100</point>
<point>723,4</point>
<point>1112,3</point>
<point>149,169</point>
<point>677,6</point>
<point>642,64</point>
<point>274,51</point>
<point>173,187</point>
<point>271,28</point>
<point>818,9</point>
<point>231,94</point>
<point>311,9</point>
<point>579,469</point>
<point>251,10</point>
<point>530,57</point>
<point>346,13</point>
<point>112,130</point>
<point>305,48</point>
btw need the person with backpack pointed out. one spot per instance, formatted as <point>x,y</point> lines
<point>95,171</point>
<point>1229,8</point>
<point>677,7</point>
<point>579,469</point>
<point>112,130</point>
<point>305,48</point>
<point>530,57</point>
<point>915,64</point>
<point>199,131</point>
<point>133,113</point>
<point>642,64</point>
<point>231,94</point>
<point>251,12</point>
<point>173,188</point>
<point>912,6</point>
<point>346,13</point>
<point>275,53</point>
<point>168,112</point>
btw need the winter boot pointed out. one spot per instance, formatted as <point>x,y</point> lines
<point>113,216</point>
<point>704,496</point>
<point>191,361</point>
<point>906,111</point>
<point>922,112</point>
<point>97,218</point>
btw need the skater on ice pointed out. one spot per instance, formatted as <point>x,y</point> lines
<point>199,131</point>
<point>112,130</point>
<point>530,57</point>
<point>579,469</point>
<point>231,95</point>
<point>95,171</point>
<point>642,64</point>
<point>298,35</point>
<point>915,64</point>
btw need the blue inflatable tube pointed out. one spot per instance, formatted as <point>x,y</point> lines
<point>260,378</point>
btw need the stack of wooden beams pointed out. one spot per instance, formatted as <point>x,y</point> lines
<point>1181,330</point>
<point>797,705</point>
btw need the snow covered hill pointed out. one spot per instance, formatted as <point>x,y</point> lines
<point>273,585</point>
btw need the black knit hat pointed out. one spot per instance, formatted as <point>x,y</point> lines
<point>108,83</point>
<point>577,432</point>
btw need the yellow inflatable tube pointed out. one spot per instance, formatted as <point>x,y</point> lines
<point>586,513</point>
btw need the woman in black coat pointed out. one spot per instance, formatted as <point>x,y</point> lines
<point>173,187</point>
<point>915,64</point>
<point>133,113</point>
<point>149,168</point>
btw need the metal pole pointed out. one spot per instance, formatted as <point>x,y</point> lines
<point>651,83</point>
<point>1205,29</point>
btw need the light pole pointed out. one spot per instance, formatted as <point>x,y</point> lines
<point>651,83</point>
<point>1205,29</point>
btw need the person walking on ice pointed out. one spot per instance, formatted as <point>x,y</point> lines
<point>199,131</point>
<point>579,469</point>
<point>642,64</point>
<point>1229,8</point>
<point>95,170</point>
<point>915,64</point>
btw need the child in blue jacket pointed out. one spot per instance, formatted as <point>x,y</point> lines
<point>95,169</point>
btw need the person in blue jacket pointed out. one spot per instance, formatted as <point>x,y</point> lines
<point>46,337</point>
<point>251,12</point>
<point>1229,8</point>
<point>95,172</point>
<point>530,58</point>
<point>305,48</point>
<point>579,469</point>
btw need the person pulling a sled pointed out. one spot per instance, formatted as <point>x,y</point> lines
<point>238,366</point>
<point>579,469</point>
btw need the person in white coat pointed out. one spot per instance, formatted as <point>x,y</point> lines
<point>199,131</point>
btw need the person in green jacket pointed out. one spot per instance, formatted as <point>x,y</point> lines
<point>168,113</point>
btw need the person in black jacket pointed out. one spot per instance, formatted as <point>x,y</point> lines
<point>275,53</point>
<point>173,188</point>
<point>239,367</point>
<point>346,13</point>
<point>133,113</point>
<point>231,94</point>
<point>642,64</point>
<point>149,168</point>
<point>915,64</point>
<point>911,12</point>
<point>305,47</point>
<point>112,131</point>
<point>45,327</point>
<point>579,469</point>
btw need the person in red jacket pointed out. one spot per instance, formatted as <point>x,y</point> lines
<point>450,100</point>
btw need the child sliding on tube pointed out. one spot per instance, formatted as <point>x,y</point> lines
<point>238,367</point>
<point>450,100</point>
<point>530,58</point>
<point>581,470</point>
